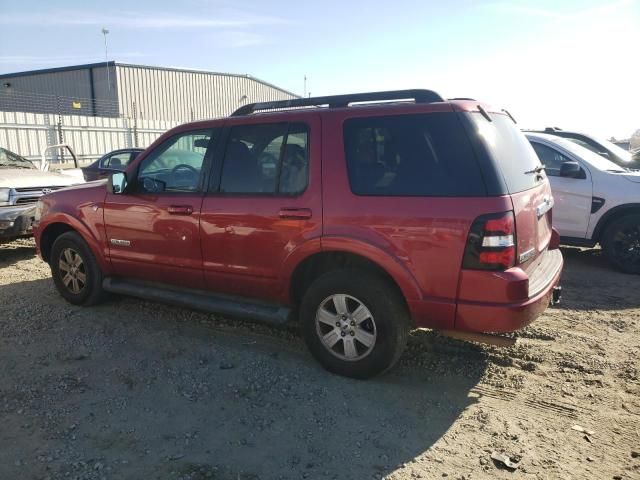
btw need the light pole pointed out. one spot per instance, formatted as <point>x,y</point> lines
<point>105,32</point>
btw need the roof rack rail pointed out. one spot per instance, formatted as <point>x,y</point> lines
<point>337,101</point>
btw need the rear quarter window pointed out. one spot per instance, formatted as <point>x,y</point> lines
<point>509,148</point>
<point>411,155</point>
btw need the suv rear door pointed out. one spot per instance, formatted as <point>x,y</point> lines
<point>264,201</point>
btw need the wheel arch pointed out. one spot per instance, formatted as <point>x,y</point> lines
<point>356,255</point>
<point>612,215</point>
<point>62,224</point>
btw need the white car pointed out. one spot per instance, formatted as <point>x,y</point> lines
<point>21,184</point>
<point>596,201</point>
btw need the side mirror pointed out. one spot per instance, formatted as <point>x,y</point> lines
<point>572,170</point>
<point>117,183</point>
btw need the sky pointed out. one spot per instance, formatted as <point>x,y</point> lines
<point>571,64</point>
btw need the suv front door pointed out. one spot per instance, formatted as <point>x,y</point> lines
<point>572,196</point>
<point>153,229</point>
<point>264,202</point>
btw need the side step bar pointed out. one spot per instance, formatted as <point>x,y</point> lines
<point>200,300</point>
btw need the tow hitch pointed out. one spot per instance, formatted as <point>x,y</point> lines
<point>556,295</point>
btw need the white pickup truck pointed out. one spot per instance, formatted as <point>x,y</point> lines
<point>21,184</point>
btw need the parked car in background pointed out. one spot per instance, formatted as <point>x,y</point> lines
<point>602,147</point>
<point>362,222</point>
<point>115,161</point>
<point>596,200</point>
<point>21,184</point>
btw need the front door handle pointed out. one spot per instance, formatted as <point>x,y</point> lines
<point>180,210</point>
<point>295,213</point>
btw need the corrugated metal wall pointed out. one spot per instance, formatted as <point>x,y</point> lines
<point>83,90</point>
<point>159,93</point>
<point>91,137</point>
<point>184,95</point>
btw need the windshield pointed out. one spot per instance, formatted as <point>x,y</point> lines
<point>615,149</point>
<point>12,160</point>
<point>590,157</point>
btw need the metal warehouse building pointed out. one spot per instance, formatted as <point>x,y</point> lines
<point>113,89</point>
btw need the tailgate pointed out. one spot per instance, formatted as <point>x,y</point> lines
<point>532,209</point>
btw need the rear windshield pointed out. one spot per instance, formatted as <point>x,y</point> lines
<point>510,149</point>
<point>411,155</point>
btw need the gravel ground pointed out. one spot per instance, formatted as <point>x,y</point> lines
<point>132,390</point>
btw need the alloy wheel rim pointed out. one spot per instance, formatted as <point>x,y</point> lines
<point>626,244</point>
<point>346,327</point>
<point>72,271</point>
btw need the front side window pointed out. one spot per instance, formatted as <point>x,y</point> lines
<point>266,159</point>
<point>550,158</point>
<point>411,155</point>
<point>176,165</point>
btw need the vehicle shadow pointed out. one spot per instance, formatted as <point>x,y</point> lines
<point>172,393</point>
<point>590,283</point>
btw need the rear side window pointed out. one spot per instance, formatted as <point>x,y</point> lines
<point>266,159</point>
<point>510,149</point>
<point>411,155</point>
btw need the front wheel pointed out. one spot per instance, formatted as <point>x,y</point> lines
<point>75,270</point>
<point>354,322</point>
<point>621,243</point>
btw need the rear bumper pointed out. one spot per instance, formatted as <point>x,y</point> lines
<point>541,287</point>
<point>16,221</point>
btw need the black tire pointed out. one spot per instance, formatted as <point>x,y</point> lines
<point>391,324</point>
<point>621,243</point>
<point>91,291</point>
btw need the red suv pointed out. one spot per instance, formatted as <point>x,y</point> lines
<point>361,219</point>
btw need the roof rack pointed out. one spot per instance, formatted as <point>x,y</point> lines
<point>338,101</point>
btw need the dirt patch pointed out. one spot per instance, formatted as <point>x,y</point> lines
<point>132,389</point>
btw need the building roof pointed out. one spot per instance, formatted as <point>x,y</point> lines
<point>112,63</point>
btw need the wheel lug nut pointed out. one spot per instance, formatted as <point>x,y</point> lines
<point>353,324</point>
<point>352,333</point>
<point>337,324</point>
<point>342,334</point>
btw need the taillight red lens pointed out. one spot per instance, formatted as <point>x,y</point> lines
<point>502,225</point>
<point>491,244</point>
<point>505,257</point>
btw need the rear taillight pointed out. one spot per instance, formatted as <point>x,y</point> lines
<point>491,244</point>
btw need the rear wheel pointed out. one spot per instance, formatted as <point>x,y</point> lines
<point>621,243</point>
<point>75,271</point>
<point>354,323</point>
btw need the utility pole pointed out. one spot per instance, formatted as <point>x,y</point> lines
<point>105,32</point>
<point>305,87</point>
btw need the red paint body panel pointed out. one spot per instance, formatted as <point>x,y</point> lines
<point>503,316</point>
<point>163,247</point>
<point>81,211</point>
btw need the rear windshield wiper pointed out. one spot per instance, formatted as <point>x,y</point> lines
<point>538,169</point>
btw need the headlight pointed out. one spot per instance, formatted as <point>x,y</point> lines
<point>4,196</point>
<point>40,210</point>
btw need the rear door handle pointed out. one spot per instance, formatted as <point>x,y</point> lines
<point>180,210</point>
<point>295,213</point>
